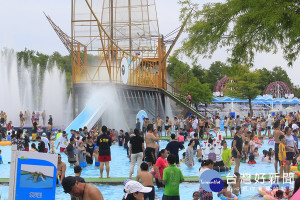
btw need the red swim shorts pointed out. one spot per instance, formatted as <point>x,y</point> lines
<point>62,149</point>
<point>104,158</point>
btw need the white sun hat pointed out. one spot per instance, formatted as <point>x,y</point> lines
<point>134,186</point>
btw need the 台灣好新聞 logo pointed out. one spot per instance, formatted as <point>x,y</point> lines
<point>211,181</point>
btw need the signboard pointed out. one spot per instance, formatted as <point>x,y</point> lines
<point>124,70</point>
<point>34,176</point>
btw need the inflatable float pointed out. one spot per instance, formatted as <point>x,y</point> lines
<point>263,191</point>
<point>5,143</point>
<point>234,197</point>
<point>297,173</point>
<point>274,193</point>
<point>269,197</point>
<point>294,168</point>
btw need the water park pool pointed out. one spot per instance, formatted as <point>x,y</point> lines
<point>249,191</point>
<point>119,166</point>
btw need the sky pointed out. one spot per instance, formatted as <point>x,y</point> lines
<point>23,25</point>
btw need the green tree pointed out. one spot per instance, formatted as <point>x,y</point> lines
<point>200,92</point>
<point>176,68</point>
<point>199,73</point>
<point>269,76</point>
<point>296,90</point>
<point>215,72</point>
<point>265,78</point>
<point>244,28</point>
<point>244,84</point>
<point>280,74</point>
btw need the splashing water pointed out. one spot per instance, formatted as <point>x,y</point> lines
<point>23,89</point>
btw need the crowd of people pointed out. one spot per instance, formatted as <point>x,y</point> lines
<point>86,147</point>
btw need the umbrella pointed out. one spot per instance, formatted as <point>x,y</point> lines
<point>289,109</point>
<point>274,110</point>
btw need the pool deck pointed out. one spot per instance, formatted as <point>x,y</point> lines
<point>189,179</point>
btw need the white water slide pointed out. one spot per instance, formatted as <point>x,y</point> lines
<point>89,115</point>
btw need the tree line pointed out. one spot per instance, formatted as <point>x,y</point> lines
<point>246,83</point>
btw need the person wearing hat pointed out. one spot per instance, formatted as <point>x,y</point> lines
<point>46,141</point>
<point>135,190</point>
<point>62,141</point>
<point>81,190</point>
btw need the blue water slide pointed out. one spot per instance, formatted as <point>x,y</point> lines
<point>89,115</point>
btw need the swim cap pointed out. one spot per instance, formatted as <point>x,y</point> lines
<point>274,185</point>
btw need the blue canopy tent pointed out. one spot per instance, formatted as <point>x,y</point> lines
<point>268,99</point>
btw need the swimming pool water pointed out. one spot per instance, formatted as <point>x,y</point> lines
<point>116,192</point>
<point>119,166</point>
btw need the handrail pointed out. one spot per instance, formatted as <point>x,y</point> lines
<point>191,108</point>
<point>180,77</point>
<point>178,92</point>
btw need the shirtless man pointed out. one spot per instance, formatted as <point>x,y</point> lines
<point>201,128</point>
<point>290,119</point>
<point>150,139</point>
<point>168,127</point>
<point>176,125</point>
<point>277,132</point>
<point>61,168</point>
<point>147,180</point>
<point>159,124</point>
<point>81,190</point>
<point>254,126</point>
<point>297,118</point>
<point>207,125</point>
<point>199,154</point>
<point>144,126</point>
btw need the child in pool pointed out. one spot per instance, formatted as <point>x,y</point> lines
<point>268,158</point>
<point>183,157</point>
<point>52,147</point>
<point>279,194</point>
<point>272,152</point>
<point>258,143</point>
<point>96,155</point>
<point>265,153</point>
<point>199,154</point>
<point>245,151</point>
<point>232,161</point>
<point>271,141</point>
<point>225,192</point>
<point>255,153</point>
<point>147,180</point>
<point>251,160</point>
<point>196,195</point>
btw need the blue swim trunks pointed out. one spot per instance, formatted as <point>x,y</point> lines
<point>83,164</point>
<point>97,164</point>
